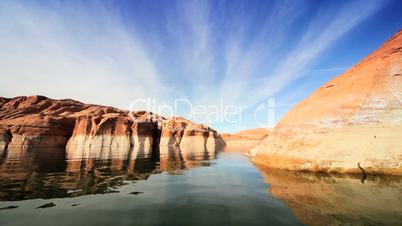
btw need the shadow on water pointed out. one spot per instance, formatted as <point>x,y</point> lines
<point>47,173</point>
<point>338,199</point>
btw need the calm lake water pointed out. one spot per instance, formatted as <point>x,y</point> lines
<point>185,187</point>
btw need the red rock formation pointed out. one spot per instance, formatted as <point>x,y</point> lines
<point>84,128</point>
<point>249,134</point>
<point>37,121</point>
<point>244,140</point>
<point>179,131</point>
<point>355,117</point>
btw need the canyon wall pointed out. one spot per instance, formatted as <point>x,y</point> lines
<point>244,140</point>
<point>354,119</point>
<point>249,134</point>
<point>85,129</point>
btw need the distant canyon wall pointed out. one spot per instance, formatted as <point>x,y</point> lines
<point>38,121</point>
<point>244,140</point>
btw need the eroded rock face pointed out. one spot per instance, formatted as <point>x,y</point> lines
<point>37,121</point>
<point>179,131</point>
<point>356,117</point>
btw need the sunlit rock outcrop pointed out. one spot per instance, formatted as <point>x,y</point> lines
<point>244,140</point>
<point>355,118</point>
<point>177,131</point>
<point>91,130</point>
<point>249,134</point>
<point>37,121</point>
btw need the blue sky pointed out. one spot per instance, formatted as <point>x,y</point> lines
<point>239,52</point>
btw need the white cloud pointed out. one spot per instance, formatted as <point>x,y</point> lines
<point>190,25</point>
<point>324,30</point>
<point>63,51</point>
<point>244,63</point>
<point>91,54</point>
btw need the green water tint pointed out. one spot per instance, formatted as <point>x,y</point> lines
<point>184,187</point>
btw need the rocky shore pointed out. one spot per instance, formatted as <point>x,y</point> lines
<point>38,121</point>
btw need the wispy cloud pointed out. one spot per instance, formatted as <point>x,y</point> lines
<point>191,27</point>
<point>326,27</point>
<point>331,69</point>
<point>245,58</point>
<point>201,50</point>
<point>65,51</point>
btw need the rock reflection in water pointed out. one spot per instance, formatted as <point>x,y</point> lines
<point>48,173</point>
<point>322,199</point>
<point>174,159</point>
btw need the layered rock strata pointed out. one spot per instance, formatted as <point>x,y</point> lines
<point>354,119</point>
<point>87,130</point>
<point>179,131</point>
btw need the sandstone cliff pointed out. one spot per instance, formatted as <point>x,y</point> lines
<point>244,140</point>
<point>85,129</point>
<point>355,117</point>
<point>249,134</point>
